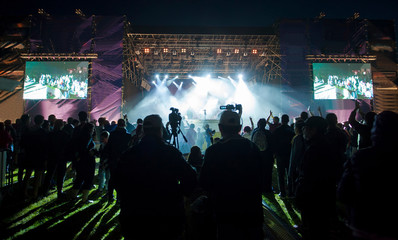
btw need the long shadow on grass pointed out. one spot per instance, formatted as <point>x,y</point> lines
<point>60,223</point>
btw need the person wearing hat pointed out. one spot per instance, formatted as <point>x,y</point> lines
<point>316,188</point>
<point>232,175</point>
<point>152,178</point>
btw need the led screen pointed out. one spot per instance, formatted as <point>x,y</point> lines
<point>342,81</point>
<point>56,80</point>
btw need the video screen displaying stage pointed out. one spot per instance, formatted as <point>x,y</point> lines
<point>342,81</point>
<point>56,80</point>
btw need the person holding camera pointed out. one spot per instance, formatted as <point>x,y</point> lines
<point>234,165</point>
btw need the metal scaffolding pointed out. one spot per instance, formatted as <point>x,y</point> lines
<point>257,56</point>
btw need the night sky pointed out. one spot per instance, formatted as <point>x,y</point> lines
<point>238,13</point>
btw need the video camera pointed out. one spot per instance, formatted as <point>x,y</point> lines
<point>232,107</point>
<point>174,118</point>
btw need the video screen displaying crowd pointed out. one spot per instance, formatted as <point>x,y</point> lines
<point>56,80</point>
<point>64,86</point>
<point>351,87</point>
<point>322,165</point>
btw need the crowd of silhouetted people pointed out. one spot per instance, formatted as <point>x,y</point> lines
<point>334,172</point>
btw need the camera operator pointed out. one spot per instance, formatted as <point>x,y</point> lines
<point>233,165</point>
<point>174,122</point>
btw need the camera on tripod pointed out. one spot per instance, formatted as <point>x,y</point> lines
<point>175,121</point>
<point>174,118</point>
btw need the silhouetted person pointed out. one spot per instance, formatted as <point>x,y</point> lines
<point>118,143</point>
<point>304,115</point>
<point>316,189</point>
<point>337,141</point>
<point>263,139</point>
<point>362,129</point>
<point>195,158</point>
<point>282,138</point>
<point>20,154</point>
<point>275,122</point>
<point>191,135</point>
<point>35,144</point>
<point>370,171</point>
<point>208,135</point>
<point>69,127</point>
<point>296,157</point>
<point>85,162</point>
<point>152,178</point>
<point>57,157</point>
<point>232,174</point>
<point>137,133</point>
<point>103,169</point>
<point>83,120</point>
<point>51,120</point>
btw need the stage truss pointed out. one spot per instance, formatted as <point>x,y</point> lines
<point>256,56</point>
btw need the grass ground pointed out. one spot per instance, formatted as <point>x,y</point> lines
<point>97,220</point>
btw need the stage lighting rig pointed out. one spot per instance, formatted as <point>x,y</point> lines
<point>80,13</point>
<point>43,13</point>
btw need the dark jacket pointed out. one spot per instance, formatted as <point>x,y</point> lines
<point>118,143</point>
<point>152,178</point>
<point>282,138</point>
<point>232,174</point>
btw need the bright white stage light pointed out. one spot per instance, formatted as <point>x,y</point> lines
<point>153,82</point>
<point>240,76</point>
<point>157,76</point>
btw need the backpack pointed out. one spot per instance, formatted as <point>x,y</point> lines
<point>260,139</point>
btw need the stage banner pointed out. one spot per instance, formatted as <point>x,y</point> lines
<point>107,80</point>
<point>66,34</point>
<point>73,34</point>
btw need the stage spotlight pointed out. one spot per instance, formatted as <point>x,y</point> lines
<point>153,82</point>
<point>189,76</point>
<point>166,76</point>
<point>157,76</point>
<point>240,76</point>
<point>236,51</point>
<point>146,50</point>
<point>165,50</point>
<point>183,50</point>
<point>219,50</point>
<point>177,76</point>
<point>254,51</point>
